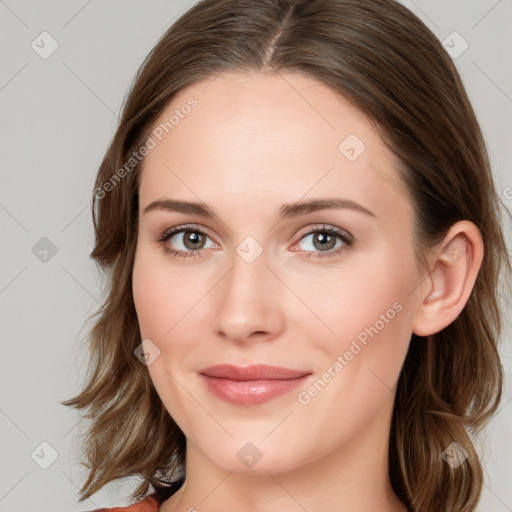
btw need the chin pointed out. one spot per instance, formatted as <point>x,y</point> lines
<point>255,457</point>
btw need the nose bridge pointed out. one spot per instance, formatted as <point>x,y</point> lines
<point>247,299</point>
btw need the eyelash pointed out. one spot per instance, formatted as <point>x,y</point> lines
<point>330,230</point>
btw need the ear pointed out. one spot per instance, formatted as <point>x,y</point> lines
<point>455,263</point>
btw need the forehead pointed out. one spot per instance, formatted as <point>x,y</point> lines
<point>259,139</point>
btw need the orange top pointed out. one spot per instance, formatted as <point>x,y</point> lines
<point>148,504</point>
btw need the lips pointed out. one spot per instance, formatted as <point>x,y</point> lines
<point>251,385</point>
<point>253,372</point>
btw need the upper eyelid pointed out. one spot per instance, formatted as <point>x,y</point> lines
<point>186,227</point>
<point>324,226</point>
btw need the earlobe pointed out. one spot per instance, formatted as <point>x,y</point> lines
<point>447,288</point>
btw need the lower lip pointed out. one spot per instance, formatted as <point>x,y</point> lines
<point>250,392</point>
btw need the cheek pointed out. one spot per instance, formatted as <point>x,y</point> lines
<point>155,292</point>
<point>366,312</point>
<point>158,293</point>
<point>153,295</point>
<point>348,298</point>
<point>358,366</point>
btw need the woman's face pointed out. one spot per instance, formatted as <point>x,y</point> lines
<point>253,284</point>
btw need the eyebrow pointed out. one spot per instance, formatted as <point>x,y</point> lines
<point>286,210</point>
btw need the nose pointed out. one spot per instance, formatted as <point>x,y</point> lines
<point>247,304</point>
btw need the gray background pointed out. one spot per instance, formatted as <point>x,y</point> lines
<point>57,116</point>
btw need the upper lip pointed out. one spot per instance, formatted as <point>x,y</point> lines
<point>252,372</point>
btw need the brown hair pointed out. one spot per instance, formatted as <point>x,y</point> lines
<point>387,63</point>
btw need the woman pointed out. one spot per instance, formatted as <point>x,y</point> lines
<point>302,235</point>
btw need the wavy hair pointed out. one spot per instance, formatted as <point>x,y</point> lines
<point>385,61</point>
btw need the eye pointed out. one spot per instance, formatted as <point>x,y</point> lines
<point>189,240</point>
<point>323,242</point>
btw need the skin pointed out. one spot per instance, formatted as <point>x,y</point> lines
<point>253,142</point>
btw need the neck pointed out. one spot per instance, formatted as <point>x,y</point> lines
<point>353,476</point>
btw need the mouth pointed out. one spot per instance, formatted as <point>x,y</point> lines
<point>251,385</point>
